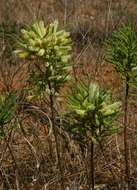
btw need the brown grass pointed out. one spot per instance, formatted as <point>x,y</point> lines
<point>34,165</point>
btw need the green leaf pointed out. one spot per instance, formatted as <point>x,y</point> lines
<point>22,54</point>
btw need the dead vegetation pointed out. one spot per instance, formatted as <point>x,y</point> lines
<point>28,159</point>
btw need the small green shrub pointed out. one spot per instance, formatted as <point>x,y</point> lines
<point>50,48</point>
<point>92,109</point>
<point>92,115</point>
<point>122,53</point>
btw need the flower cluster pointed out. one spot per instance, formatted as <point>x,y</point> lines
<point>52,47</point>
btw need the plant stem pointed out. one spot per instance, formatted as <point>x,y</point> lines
<point>92,165</point>
<point>56,138</point>
<point>91,181</point>
<point>127,169</point>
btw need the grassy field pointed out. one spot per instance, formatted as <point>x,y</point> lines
<point>28,158</point>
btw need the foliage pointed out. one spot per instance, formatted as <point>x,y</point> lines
<point>92,110</point>
<point>51,46</point>
<point>122,50</point>
<point>8,105</point>
<point>122,53</point>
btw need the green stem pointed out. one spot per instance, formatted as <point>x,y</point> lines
<point>92,165</point>
<point>126,154</point>
<point>56,138</point>
<point>91,177</point>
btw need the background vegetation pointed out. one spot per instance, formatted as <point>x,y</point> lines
<point>41,146</point>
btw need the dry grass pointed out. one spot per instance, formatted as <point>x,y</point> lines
<point>29,160</point>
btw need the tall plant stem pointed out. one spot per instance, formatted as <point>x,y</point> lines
<point>91,181</point>
<point>126,153</point>
<point>92,166</point>
<point>56,138</point>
